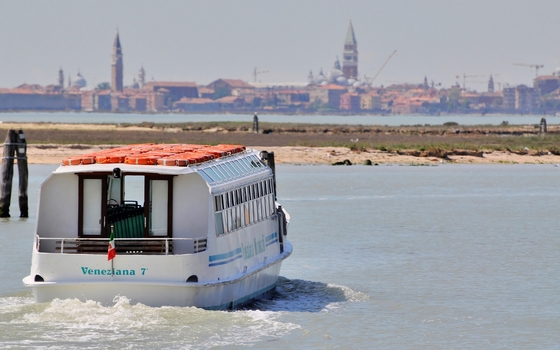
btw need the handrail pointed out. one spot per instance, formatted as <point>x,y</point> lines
<point>64,240</point>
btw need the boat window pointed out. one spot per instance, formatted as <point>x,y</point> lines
<point>212,174</point>
<point>222,201</point>
<point>259,213</point>
<point>224,170</point>
<point>158,208</point>
<point>247,216</point>
<point>114,191</point>
<point>229,220</point>
<point>238,216</point>
<point>219,224</point>
<point>217,204</point>
<point>256,162</point>
<point>251,213</point>
<point>247,165</point>
<point>220,174</point>
<point>92,207</point>
<point>206,176</point>
<point>231,169</point>
<point>238,167</point>
<point>242,166</point>
<point>134,190</point>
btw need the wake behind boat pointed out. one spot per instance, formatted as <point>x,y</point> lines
<point>176,225</point>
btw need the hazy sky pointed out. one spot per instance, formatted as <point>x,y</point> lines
<point>202,41</point>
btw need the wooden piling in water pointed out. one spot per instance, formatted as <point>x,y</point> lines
<point>7,173</point>
<point>21,156</point>
<point>15,147</point>
<point>256,124</point>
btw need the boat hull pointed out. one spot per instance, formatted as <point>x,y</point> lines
<point>218,295</point>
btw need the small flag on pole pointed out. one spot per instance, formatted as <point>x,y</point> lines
<point>112,252</point>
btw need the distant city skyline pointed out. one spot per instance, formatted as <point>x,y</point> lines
<point>202,41</point>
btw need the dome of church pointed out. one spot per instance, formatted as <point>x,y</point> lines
<point>319,79</point>
<point>325,83</point>
<point>134,84</point>
<point>358,84</point>
<point>78,81</point>
<point>335,74</point>
<point>351,81</point>
<point>341,80</point>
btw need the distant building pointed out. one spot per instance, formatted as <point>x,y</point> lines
<point>117,65</point>
<point>350,54</point>
<point>196,104</point>
<point>350,101</point>
<point>141,78</point>
<point>61,78</point>
<point>236,87</point>
<point>508,98</point>
<point>526,98</point>
<point>370,101</point>
<point>520,98</point>
<point>96,101</point>
<point>491,84</point>
<point>36,97</point>
<point>173,90</point>
<point>545,84</point>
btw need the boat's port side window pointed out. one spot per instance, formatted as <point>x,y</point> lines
<point>243,206</point>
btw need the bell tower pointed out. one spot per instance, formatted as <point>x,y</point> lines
<point>350,54</point>
<point>117,66</point>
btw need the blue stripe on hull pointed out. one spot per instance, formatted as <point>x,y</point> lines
<point>269,243</point>
<point>226,261</point>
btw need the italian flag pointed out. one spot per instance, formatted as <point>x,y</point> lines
<point>112,252</point>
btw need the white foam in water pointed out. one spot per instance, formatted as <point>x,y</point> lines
<point>308,296</point>
<point>72,323</point>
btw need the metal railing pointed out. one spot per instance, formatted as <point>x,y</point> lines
<point>152,245</point>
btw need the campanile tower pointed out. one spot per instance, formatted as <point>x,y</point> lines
<point>350,54</point>
<point>117,66</point>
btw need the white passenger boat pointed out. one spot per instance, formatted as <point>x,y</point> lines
<point>191,225</point>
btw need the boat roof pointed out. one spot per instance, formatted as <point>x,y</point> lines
<point>216,164</point>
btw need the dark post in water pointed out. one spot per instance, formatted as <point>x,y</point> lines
<point>15,147</point>
<point>542,127</point>
<point>21,156</point>
<point>256,124</point>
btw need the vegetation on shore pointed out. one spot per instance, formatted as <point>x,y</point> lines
<point>520,139</point>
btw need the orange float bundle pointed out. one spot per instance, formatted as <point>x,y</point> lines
<point>141,160</point>
<point>231,148</point>
<point>216,151</point>
<point>185,159</point>
<point>78,160</point>
<point>110,158</point>
<point>152,154</point>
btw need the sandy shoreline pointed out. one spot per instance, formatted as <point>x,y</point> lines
<point>53,154</point>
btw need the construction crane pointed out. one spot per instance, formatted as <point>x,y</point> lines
<point>536,66</point>
<point>465,76</point>
<point>369,81</point>
<point>256,74</point>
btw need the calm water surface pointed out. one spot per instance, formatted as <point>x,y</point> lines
<point>388,257</point>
